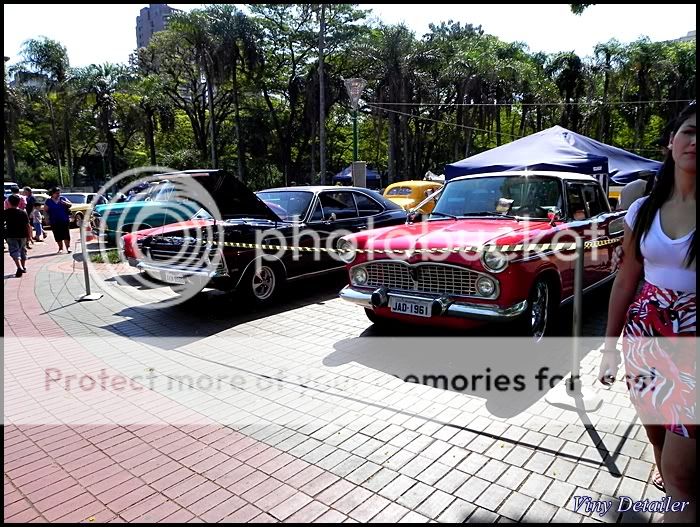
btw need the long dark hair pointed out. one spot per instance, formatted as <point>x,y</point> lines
<point>663,188</point>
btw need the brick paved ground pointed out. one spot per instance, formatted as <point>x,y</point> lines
<point>316,427</point>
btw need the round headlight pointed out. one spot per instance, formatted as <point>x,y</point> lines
<point>347,251</point>
<point>485,286</point>
<point>495,261</point>
<point>359,276</point>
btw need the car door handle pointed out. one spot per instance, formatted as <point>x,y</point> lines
<point>361,227</point>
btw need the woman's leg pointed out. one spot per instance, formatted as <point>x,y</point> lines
<point>656,435</point>
<point>678,464</point>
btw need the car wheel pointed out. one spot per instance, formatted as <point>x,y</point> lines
<point>538,319</point>
<point>263,282</point>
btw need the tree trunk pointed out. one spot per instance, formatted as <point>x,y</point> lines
<point>392,147</point>
<point>497,116</point>
<point>69,156</point>
<point>150,137</point>
<point>322,97</point>
<point>10,154</point>
<point>54,134</point>
<point>237,119</point>
<point>212,124</point>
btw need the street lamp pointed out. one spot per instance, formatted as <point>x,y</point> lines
<point>354,87</point>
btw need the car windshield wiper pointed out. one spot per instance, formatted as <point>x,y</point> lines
<point>493,214</point>
<point>444,214</point>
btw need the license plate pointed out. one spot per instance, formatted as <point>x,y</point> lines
<point>172,278</point>
<point>410,307</point>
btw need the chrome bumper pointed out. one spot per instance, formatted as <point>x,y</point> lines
<point>441,306</point>
<point>188,273</point>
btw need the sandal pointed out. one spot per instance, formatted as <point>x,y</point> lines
<point>658,481</point>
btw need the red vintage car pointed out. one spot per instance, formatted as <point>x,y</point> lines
<point>497,247</point>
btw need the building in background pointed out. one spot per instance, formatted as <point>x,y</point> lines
<point>688,38</point>
<point>150,20</point>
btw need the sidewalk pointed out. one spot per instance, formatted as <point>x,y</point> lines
<point>351,444</point>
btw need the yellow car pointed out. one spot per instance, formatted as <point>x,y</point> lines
<point>408,194</point>
<point>81,205</point>
<point>614,196</point>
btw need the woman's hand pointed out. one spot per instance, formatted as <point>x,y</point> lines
<point>609,364</point>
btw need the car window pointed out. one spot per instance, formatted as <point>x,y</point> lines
<point>75,198</point>
<point>164,192</point>
<point>341,204</point>
<point>399,191</point>
<point>288,205</point>
<point>366,206</point>
<point>577,204</point>
<point>317,214</point>
<point>594,199</point>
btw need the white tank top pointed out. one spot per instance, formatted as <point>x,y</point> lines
<point>664,258</point>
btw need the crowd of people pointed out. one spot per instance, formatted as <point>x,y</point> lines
<point>24,220</point>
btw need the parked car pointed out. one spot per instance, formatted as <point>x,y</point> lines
<point>81,205</point>
<point>409,194</point>
<point>508,210</point>
<point>315,213</point>
<point>157,204</point>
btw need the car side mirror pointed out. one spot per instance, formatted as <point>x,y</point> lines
<point>331,218</point>
<point>554,216</point>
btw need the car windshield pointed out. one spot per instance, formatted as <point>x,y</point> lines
<point>289,206</point>
<point>76,198</point>
<point>399,191</point>
<point>520,196</point>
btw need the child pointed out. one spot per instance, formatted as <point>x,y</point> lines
<point>37,220</point>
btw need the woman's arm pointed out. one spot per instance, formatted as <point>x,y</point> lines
<point>621,296</point>
<point>624,288</point>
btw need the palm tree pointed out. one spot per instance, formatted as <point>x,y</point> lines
<point>101,83</point>
<point>10,111</point>
<point>45,62</point>
<point>235,47</point>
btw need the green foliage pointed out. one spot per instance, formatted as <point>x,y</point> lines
<point>430,99</point>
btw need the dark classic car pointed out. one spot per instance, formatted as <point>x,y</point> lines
<point>311,218</point>
<point>497,247</point>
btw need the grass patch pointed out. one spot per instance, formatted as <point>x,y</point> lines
<point>111,256</point>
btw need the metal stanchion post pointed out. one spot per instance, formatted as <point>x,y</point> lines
<point>571,395</point>
<point>575,379</point>
<point>83,247</point>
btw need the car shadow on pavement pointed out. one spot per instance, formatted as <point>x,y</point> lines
<point>211,312</point>
<point>454,360</point>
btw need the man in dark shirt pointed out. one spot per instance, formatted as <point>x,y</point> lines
<point>17,231</point>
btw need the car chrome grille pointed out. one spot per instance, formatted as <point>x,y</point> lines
<point>183,256</point>
<point>423,278</point>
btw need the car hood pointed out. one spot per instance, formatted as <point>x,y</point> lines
<point>232,198</point>
<point>170,228</point>
<point>448,233</point>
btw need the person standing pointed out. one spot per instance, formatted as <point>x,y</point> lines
<point>660,368</point>
<point>58,207</point>
<point>14,191</point>
<point>30,203</point>
<point>17,231</point>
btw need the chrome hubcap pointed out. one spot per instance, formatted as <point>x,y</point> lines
<point>263,283</point>
<point>540,305</point>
